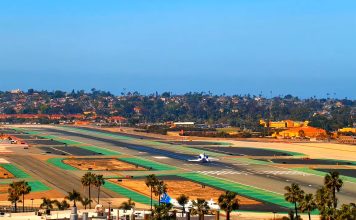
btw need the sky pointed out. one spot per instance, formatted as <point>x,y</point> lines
<point>276,47</point>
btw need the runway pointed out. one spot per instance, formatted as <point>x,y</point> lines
<point>267,177</point>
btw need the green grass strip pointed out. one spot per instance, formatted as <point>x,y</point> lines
<point>37,186</point>
<point>18,173</point>
<point>100,150</point>
<point>245,190</point>
<point>26,131</point>
<point>323,174</point>
<point>58,162</point>
<point>147,163</point>
<point>128,193</point>
<point>286,152</point>
<point>100,133</point>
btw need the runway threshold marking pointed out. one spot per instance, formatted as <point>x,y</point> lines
<point>268,172</point>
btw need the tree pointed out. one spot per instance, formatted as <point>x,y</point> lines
<point>161,212</point>
<point>151,181</point>
<point>47,203</point>
<point>99,181</point>
<point>74,196</point>
<point>86,201</point>
<point>159,189</point>
<point>87,180</point>
<point>13,194</point>
<point>182,200</point>
<point>228,202</point>
<point>347,212</point>
<point>324,201</point>
<point>308,204</point>
<point>333,182</point>
<point>62,205</point>
<point>127,205</point>
<point>200,207</point>
<point>294,195</point>
<point>23,189</point>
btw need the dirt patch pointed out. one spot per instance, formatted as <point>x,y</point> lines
<point>4,174</point>
<point>178,187</point>
<point>3,188</point>
<point>53,194</point>
<point>109,164</point>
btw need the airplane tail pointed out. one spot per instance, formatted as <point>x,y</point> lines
<point>165,198</point>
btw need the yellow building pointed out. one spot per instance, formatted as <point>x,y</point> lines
<point>347,130</point>
<point>284,124</point>
<point>305,131</point>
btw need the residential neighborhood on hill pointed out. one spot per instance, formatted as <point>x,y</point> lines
<point>243,111</point>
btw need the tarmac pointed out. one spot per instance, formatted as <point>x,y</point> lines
<point>261,181</point>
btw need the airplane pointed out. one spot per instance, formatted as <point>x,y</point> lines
<point>167,199</point>
<point>203,158</point>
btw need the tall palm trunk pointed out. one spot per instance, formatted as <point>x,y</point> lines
<point>227,215</point>
<point>15,207</point>
<point>89,196</point>
<point>296,210</point>
<point>98,194</point>
<point>309,215</point>
<point>334,198</point>
<point>151,198</point>
<point>23,202</point>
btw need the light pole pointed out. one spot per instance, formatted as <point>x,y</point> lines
<point>32,204</point>
<point>109,214</point>
<point>274,215</point>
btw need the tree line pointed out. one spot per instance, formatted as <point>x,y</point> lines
<point>242,111</point>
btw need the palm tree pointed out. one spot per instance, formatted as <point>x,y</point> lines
<point>200,207</point>
<point>229,202</point>
<point>87,180</point>
<point>151,181</point>
<point>128,205</point>
<point>308,204</point>
<point>74,196</point>
<point>347,211</point>
<point>13,195</point>
<point>182,200</point>
<point>62,205</point>
<point>324,201</point>
<point>294,195</point>
<point>24,189</point>
<point>47,203</point>
<point>99,181</point>
<point>160,189</point>
<point>161,211</point>
<point>86,202</point>
<point>333,182</point>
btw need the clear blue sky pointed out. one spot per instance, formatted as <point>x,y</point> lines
<point>301,47</point>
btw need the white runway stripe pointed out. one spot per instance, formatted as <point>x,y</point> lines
<point>267,172</point>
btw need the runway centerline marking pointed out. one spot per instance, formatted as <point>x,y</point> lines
<point>61,150</point>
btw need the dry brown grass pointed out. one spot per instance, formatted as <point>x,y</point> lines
<point>178,187</point>
<point>4,174</point>
<point>109,164</point>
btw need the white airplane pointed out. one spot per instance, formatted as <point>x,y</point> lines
<point>167,199</point>
<point>203,158</point>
